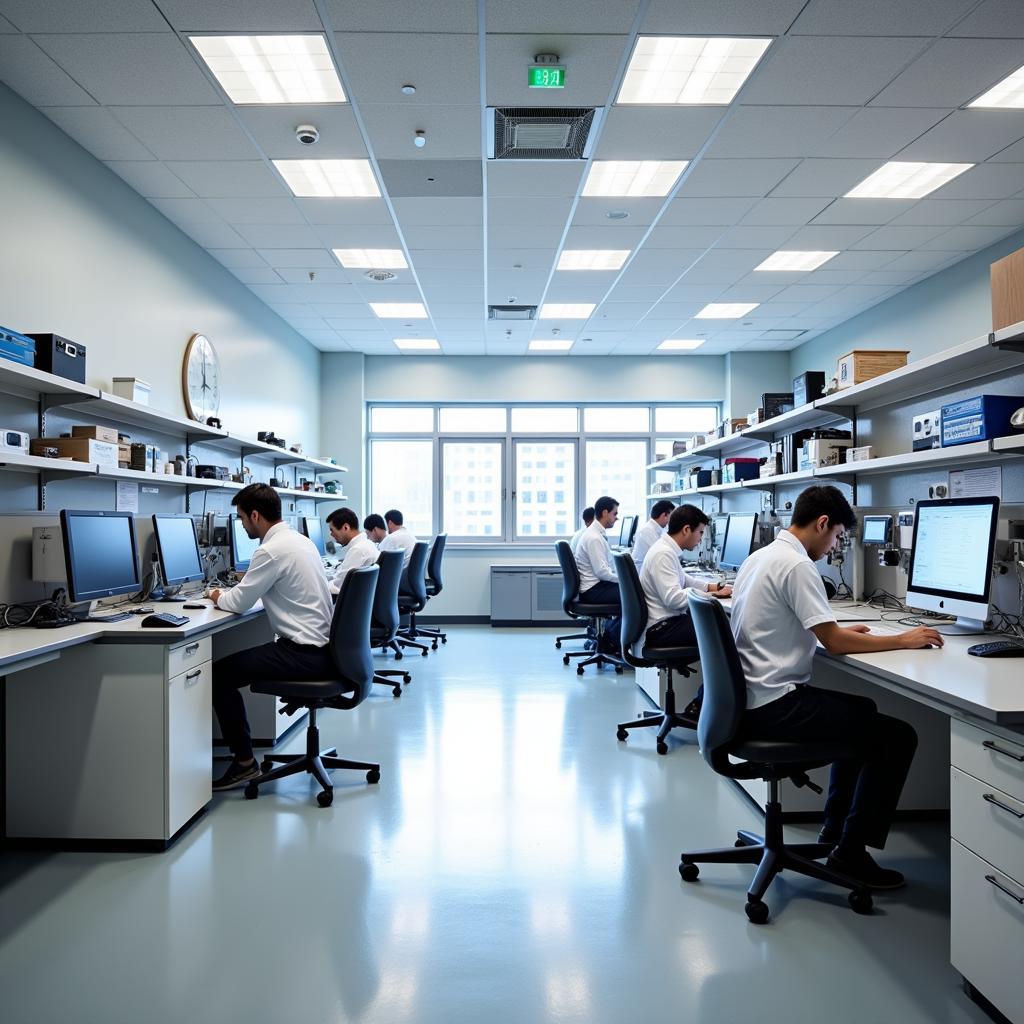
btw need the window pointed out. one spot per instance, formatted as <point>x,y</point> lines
<point>402,477</point>
<point>543,510</point>
<point>471,494</point>
<point>472,419</point>
<point>401,419</point>
<point>617,419</point>
<point>616,468</point>
<point>545,420</point>
<point>683,420</point>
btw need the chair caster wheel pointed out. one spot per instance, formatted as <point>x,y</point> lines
<point>689,872</point>
<point>433,646</point>
<point>565,659</point>
<point>444,639</point>
<point>579,670</point>
<point>558,645</point>
<point>662,747</point>
<point>407,679</point>
<point>618,670</point>
<point>252,791</point>
<point>325,798</point>
<point>424,652</point>
<point>266,765</point>
<point>860,900</point>
<point>373,775</point>
<point>397,691</point>
<point>399,655</point>
<point>757,911</point>
<point>621,735</point>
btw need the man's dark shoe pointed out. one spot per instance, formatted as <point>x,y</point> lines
<point>237,775</point>
<point>862,867</point>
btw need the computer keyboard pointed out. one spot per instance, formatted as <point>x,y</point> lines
<point>164,620</point>
<point>998,649</point>
<point>116,617</point>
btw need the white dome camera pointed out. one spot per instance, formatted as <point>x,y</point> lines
<point>307,134</point>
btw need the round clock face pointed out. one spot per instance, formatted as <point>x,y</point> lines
<point>200,379</point>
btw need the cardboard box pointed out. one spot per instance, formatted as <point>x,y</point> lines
<point>861,454</point>
<point>926,434</point>
<point>865,363</point>
<point>827,451</point>
<point>108,434</point>
<point>735,425</point>
<point>1007,281</point>
<point>78,449</point>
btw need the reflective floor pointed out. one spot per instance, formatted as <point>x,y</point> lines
<point>515,864</point>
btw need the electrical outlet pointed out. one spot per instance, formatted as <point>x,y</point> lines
<point>938,489</point>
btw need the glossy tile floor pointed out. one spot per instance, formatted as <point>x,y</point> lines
<point>515,864</point>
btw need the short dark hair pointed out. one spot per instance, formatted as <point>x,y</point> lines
<point>686,515</point>
<point>661,507</point>
<point>604,504</point>
<point>394,516</point>
<point>588,514</point>
<point>260,498</point>
<point>819,501</point>
<point>374,522</point>
<point>343,517</point>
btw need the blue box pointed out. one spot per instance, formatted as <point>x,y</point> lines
<point>978,419</point>
<point>17,347</point>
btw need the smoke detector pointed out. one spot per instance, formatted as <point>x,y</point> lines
<point>380,276</point>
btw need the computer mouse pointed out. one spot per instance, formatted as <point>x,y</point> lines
<point>196,607</point>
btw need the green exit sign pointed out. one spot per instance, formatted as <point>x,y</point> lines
<point>546,76</point>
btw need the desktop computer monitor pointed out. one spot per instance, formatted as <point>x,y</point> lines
<point>627,530</point>
<point>314,530</point>
<point>951,560</point>
<point>177,548</point>
<point>101,554</point>
<point>739,539</point>
<point>242,546</point>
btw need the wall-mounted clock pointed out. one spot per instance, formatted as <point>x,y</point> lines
<point>200,379</point>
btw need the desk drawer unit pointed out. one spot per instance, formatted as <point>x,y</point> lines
<point>189,738</point>
<point>187,656</point>
<point>988,822</point>
<point>987,756</point>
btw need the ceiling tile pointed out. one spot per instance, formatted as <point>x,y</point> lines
<point>986,181</point>
<point>865,260</point>
<point>306,259</point>
<point>97,131</point>
<point>880,131</point>
<point>452,132</point>
<point>736,17</point>
<point>890,278</point>
<point>31,16</point>
<point>995,19</point>
<point>273,128</point>
<point>754,178</point>
<point>448,259</point>
<point>863,211</point>
<point>898,237</point>
<point>968,136</point>
<point>526,286</point>
<point>655,133</point>
<point>436,236</point>
<point>534,210</point>
<point>610,237</point>
<point>259,275</point>
<point>826,177</point>
<point>778,131</point>
<point>322,276</point>
<point>358,236</point>
<point>1009,211</point>
<point>150,178</point>
<point>427,177</point>
<point>944,211</point>
<point>242,16</point>
<point>35,77</point>
<point>279,236</point>
<point>737,259</point>
<point>829,71</point>
<point>1012,154</point>
<point>826,237</point>
<point>454,211</point>
<point>151,69</point>
<point>794,212</point>
<point>403,15</point>
<point>761,236</point>
<point>880,17</point>
<point>515,178</point>
<point>594,210</point>
<point>543,17</point>
<point>350,211</point>
<point>969,237</point>
<point>515,259</point>
<point>217,179</point>
<point>210,233</point>
<point>6,26</point>
<point>706,211</point>
<point>187,133</point>
<point>238,259</point>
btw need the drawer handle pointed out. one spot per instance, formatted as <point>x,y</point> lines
<point>193,675</point>
<point>991,798</point>
<point>1002,888</point>
<point>192,648</point>
<point>990,745</point>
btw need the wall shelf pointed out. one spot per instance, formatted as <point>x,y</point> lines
<point>169,479</point>
<point>52,467</point>
<point>1009,445</point>
<point>122,411</point>
<point>780,479</point>
<point>959,455</point>
<point>31,383</point>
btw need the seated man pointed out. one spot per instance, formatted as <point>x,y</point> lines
<point>375,527</point>
<point>360,551</point>
<point>399,539</point>
<point>779,614</point>
<point>587,515</point>
<point>598,582</point>
<point>287,572</point>
<point>652,531</point>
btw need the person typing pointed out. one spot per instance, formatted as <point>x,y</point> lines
<point>599,583</point>
<point>359,550</point>
<point>587,515</point>
<point>652,531</point>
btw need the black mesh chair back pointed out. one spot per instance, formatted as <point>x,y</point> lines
<point>634,607</point>
<point>570,577</point>
<point>350,632</point>
<point>434,582</point>
<point>414,599</point>
<point>385,599</point>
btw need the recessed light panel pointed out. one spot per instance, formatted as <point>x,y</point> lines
<point>795,261</point>
<point>689,69</point>
<point>337,178</point>
<point>633,177</point>
<point>398,310</point>
<point>418,344</point>
<point>680,344</point>
<point>272,69</point>
<point>900,179</point>
<point>1008,93</point>
<point>550,345</point>
<point>566,310</point>
<point>592,259</point>
<point>371,259</point>
<point>726,310</point>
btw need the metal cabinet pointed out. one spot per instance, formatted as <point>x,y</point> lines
<point>522,595</point>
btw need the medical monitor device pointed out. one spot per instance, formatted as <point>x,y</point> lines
<point>101,554</point>
<point>739,539</point>
<point>951,560</point>
<point>877,530</point>
<point>626,531</point>
<point>177,548</point>
<point>242,545</point>
<point>314,530</point>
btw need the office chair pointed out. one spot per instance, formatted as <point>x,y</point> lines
<point>434,585</point>
<point>577,609</point>
<point>678,659</point>
<point>353,664</point>
<point>414,599</point>
<point>384,618</point>
<point>725,700</point>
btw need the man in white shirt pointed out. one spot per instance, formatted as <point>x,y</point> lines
<point>779,615</point>
<point>286,571</point>
<point>598,582</point>
<point>651,532</point>
<point>360,551</point>
<point>375,527</point>
<point>399,539</point>
<point>587,515</point>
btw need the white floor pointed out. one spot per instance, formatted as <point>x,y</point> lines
<point>515,864</point>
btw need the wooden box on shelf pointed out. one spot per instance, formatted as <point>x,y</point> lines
<point>1007,276</point>
<point>864,363</point>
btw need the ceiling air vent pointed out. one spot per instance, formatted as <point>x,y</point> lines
<point>540,133</point>
<point>380,276</point>
<point>511,312</point>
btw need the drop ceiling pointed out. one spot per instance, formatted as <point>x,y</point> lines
<point>844,87</point>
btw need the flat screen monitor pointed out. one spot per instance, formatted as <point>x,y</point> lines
<point>626,527</point>
<point>177,547</point>
<point>314,530</point>
<point>101,554</point>
<point>242,546</point>
<point>739,539</point>
<point>877,529</point>
<point>951,560</point>
<point>717,529</point>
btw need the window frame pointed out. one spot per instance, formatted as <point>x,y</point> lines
<point>493,438</point>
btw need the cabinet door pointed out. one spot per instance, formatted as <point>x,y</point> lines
<point>547,596</point>
<point>189,744</point>
<point>510,595</point>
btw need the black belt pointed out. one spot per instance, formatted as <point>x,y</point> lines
<point>300,647</point>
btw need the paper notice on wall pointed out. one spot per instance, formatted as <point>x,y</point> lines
<point>127,499</point>
<point>976,483</point>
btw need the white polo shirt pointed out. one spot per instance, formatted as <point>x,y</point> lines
<point>593,558</point>
<point>646,537</point>
<point>360,552</point>
<point>400,540</point>
<point>665,582</point>
<point>777,598</point>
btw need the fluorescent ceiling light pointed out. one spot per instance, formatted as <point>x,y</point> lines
<point>398,310</point>
<point>726,310</point>
<point>372,259</point>
<point>689,69</point>
<point>592,259</point>
<point>680,344</point>
<point>418,344</point>
<point>566,310</point>
<point>272,69</point>
<point>550,345</point>
<point>344,178</point>
<point>633,177</point>
<point>795,260</point>
<point>905,180</point>
<point>1007,93</point>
